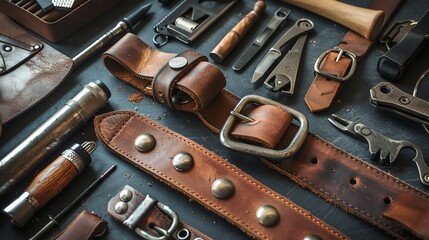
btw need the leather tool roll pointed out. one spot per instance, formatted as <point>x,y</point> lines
<point>85,226</point>
<point>118,130</point>
<point>340,178</point>
<point>29,69</point>
<point>324,88</point>
<point>153,216</point>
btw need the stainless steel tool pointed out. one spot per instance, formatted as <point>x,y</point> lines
<point>279,18</point>
<point>301,27</point>
<point>382,148</point>
<point>189,19</point>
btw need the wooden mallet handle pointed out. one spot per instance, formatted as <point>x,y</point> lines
<point>233,37</point>
<point>366,22</point>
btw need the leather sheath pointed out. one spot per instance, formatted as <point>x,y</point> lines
<point>323,90</point>
<point>85,226</point>
<point>153,217</point>
<point>118,130</point>
<point>28,75</point>
<point>333,174</point>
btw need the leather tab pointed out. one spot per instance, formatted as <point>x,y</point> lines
<point>323,91</point>
<point>153,217</point>
<point>239,209</point>
<point>411,212</point>
<point>85,226</point>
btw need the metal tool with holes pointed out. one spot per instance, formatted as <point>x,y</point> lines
<point>382,148</point>
<point>283,77</point>
<point>189,19</point>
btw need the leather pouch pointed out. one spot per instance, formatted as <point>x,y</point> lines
<point>56,24</point>
<point>29,69</point>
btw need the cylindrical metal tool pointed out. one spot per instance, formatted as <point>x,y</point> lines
<point>49,182</point>
<point>51,134</point>
<point>233,37</point>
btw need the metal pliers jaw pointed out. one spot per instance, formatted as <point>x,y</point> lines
<point>382,148</point>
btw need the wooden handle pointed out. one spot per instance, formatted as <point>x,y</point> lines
<point>233,37</point>
<point>366,22</point>
<point>52,180</point>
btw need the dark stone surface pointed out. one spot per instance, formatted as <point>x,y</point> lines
<point>352,103</point>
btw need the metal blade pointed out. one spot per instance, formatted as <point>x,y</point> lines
<point>246,57</point>
<point>265,64</point>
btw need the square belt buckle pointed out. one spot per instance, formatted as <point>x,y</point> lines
<point>278,155</point>
<point>341,53</point>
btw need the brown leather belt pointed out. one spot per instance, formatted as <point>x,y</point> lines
<point>85,226</point>
<point>208,179</point>
<point>337,65</point>
<point>149,218</point>
<point>348,182</point>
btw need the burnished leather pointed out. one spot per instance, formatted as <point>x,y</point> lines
<point>32,80</point>
<point>85,226</point>
<point>340,178</point>
<point>323,90</point>
<point>118,129</point>
<point>153,217</point>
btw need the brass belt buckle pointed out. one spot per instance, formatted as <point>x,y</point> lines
<point>341,53</point>
<point>272,154</point>
<point>138,214</point>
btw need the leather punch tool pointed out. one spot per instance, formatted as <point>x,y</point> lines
<point>283,77</point>
<point>384,149</point>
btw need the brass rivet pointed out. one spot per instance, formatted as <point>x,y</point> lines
<point>125,195</point>
<point>267,215</point>
<point>178,62</point>
<point>121,207</point>
<point>222,188</point>
<point>182,161</point>
<point>312,237</point>
<point>145,142</point>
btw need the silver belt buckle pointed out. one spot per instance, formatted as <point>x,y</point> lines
<point>341,53</point>
<point>141,211</point>
<point>272,154</point>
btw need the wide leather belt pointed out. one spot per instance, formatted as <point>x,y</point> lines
<point>338,65</point>
<point>208,179</point>
<point>340,178</point>
<point>149,218</point>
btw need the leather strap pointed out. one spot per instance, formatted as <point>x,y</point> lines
<point>85,226</point>
<point>340,178</point>
<point>392,64</point>
<point>154,216</point>
<point>323,90</point>
<point>118,130</point>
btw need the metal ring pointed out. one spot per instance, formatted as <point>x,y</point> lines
<point>162,36</point>
<point>416,87</point>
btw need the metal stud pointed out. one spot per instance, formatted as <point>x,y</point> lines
<point>125,195</point>
<point>121,207</point>
<point>312,237</point>
<point>178,62</point>
<point>7,48</point>
<point>267,215</point>
<point>183,161</point>
<point>222,188</point>
<point>145,142</point>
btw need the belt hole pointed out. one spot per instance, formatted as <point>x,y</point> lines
<point>160,93</point>
<point>352,181</point>
<point>314,160</point>
<point>387,200</point>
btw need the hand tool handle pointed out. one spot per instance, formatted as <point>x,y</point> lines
<point>366,22</point>
<point>52,180</point>
<point>233,37</point>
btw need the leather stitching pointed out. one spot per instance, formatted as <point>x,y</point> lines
<point>282,199</point>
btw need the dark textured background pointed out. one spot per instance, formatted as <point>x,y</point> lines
<point>352,103</point>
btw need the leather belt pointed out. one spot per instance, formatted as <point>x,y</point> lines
<point>85,226</point>
<point>339,64</point>
<point>149,218</point>
<point>340,178</point>
<point>192,169</point>
<point>392,64</point>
